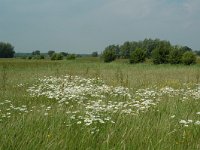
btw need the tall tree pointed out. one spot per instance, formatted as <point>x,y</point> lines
<point>37,52</point>
<point>51,52</point>
<point>6,50</point>
<point>125,50</point>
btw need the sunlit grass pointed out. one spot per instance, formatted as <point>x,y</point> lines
<point>40,122</point>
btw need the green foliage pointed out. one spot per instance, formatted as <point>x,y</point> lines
<point>6,50</point>
<point>175,56</point>
<point>37,57</point>
<point>71,57</point>
<point>197,53</point>
<point>185,49</point>
<point>37,52</point>
<point>29,57</point>
<point>125,50</point>
<point>110,53</point>
<point>157,50</point>
<point>189,58</point>
<point>57,56</point>
<point>50,53</point>
<point>161,53</point>
<point>64,53</point>
<point>138,56</point>
<point>94,54</point>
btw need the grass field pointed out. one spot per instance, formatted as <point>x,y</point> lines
<point>88,104</point>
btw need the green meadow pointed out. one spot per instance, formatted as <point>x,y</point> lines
<point>87,104</point>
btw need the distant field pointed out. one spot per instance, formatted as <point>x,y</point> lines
<point>88,104</point>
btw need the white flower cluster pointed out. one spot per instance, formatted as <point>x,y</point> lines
<point>97,100</point>
<point>186,123</point>
<point>186,93</point>
<point>7,109</point>
<point>92,101</point>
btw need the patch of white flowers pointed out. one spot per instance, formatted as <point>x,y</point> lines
<point>96,101</point>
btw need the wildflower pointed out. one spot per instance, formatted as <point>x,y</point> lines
<point>173,116</point>
<point>197,123</point>
<point>79,122</point>
<point>198,113</point>
<point>183,122</point>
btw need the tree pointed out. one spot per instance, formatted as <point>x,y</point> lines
<point>94,54</point>
<point>110,53</point>
<point>197,53</point>
<point>185,49</point>
<point>137,56</point>
<point>175,56</point>
<point>125,49</point>
<point>37,52</point>
<point>189,58</point>
<point>6,50</point>
<point>64,53</point>
<point>71,57</point>
<point>57,56</point>
<point>50,53</point>
<point>161,53</point>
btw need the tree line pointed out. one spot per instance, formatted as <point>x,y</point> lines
<point>160,51</point>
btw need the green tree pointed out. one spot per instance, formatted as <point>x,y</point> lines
<point>64,54</point>
<point>189,58</point>
<point>6,50</point>
<point>137,56</point>
<point>71,57</point>
<point>125,50</point>
<point>94,54</point>
<point>110,53</point>
<point>175,56</point>
<point>197,53</point>
<point>37,52</point>
<point>57,56</point>
<point>161,53</point>
<point>50,53</point>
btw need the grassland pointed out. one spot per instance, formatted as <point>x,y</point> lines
<point>170,121</point>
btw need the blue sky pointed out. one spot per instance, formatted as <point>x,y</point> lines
<point>84,26</point>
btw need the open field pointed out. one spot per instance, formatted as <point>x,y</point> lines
<point>87,104</point>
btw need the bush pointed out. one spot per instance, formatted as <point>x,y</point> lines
<point>57,56</point>
<point>38,57</point>
<point>137,56</point>
<point>160,56</point>
<point>29,57</point>
<point>161,53</point>
<point>175,56</point>
<point>71,57</point>
<point>189,58</point>
<point>50,53</point>
<point>95,54</point>
<point>6,50</point>
<point>109,55</point>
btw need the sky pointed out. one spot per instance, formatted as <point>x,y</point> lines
<point>85,26</point>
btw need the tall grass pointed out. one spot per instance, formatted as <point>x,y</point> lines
<point>30,128</point>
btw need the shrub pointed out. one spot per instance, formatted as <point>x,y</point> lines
<point>50,53</point>
<point>160,56</point>
<point>161,53</point>
<point>6,50</point>
<point>38,57</point>
<point>71,57</point>
<point>109,55</point>
<point>57,56</point>
<point>189,58</point>
<point>29,57</point>
<point>175,56</point>
<point>95,54</point>
<point>137,56</point>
